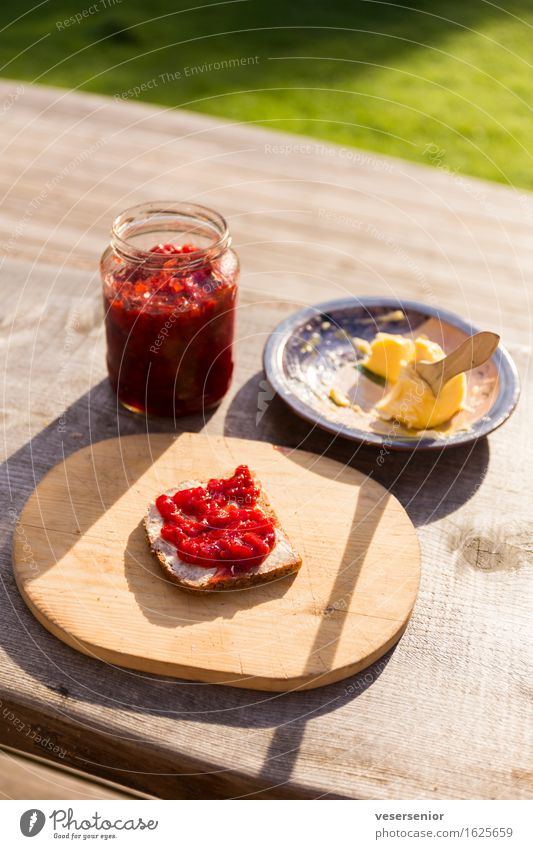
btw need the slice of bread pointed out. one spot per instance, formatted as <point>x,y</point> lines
<point>282,560</point>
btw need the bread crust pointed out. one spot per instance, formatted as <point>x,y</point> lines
<point>237,582</point>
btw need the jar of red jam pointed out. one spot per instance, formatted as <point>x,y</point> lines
<point>170,286</point>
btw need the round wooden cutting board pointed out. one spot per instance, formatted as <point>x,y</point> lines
<point>84,568</point>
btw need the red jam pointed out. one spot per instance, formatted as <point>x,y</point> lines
<point>220,524</point>
<point>169,327</point>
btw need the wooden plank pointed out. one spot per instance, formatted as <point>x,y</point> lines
<point>419,723</point>
<point>310,220</point>
<point>28,778</point>
<point>446,714</point>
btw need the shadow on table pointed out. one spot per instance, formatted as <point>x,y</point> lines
<point>95,416</point>
<point>429,484</point>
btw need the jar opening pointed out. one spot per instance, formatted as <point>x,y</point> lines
<point>138,229</point>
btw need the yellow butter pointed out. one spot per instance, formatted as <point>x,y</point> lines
<point>409,399</point>
<point>338,399</point>
<point>388,354</point>
<point>361,345</point>
<point>425,349</point>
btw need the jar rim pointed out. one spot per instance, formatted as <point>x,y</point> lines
<point>136,219</point>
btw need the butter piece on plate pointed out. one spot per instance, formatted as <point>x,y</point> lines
<point>388,353</point>
<point>410,399</point>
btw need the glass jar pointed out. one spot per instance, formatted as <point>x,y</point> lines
<point>170,286</point>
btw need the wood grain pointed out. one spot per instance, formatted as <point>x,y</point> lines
<point>98,587</point>
<point>28,778</point>
<point>448,712</point>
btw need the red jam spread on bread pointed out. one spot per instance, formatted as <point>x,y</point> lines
<point>169,330</point>
<point>220,524</point>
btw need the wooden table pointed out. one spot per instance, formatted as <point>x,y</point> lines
<point>446,713</point>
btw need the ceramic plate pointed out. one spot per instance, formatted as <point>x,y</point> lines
<point>312,352</point>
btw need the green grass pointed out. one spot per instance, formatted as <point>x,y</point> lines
<point>454,90</point>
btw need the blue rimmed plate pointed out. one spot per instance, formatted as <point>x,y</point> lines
<point>312,357</point>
